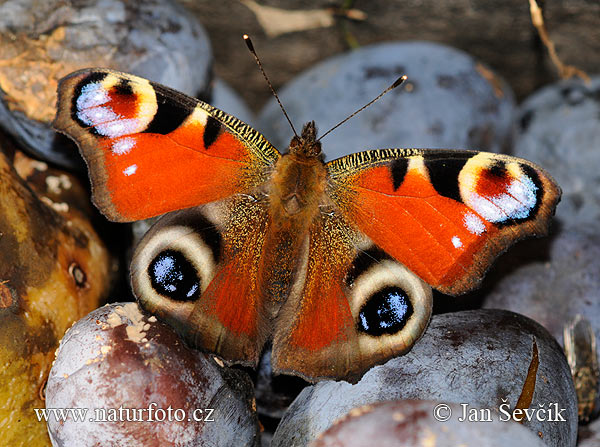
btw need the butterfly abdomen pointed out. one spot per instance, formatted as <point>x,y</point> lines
<point>296,190</point>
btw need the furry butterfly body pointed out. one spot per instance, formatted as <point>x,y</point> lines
<point>332,261</point>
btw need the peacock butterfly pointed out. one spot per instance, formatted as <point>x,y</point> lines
<point>332,261</point>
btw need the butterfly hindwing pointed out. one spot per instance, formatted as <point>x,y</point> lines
<point>445,214</point>
<point>198,269</point>
<point>352,306</point>
<point>151,149</point>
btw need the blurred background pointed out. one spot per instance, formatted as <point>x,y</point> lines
<point>499,33</point>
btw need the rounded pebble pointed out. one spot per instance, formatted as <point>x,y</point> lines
<point>449,101</point>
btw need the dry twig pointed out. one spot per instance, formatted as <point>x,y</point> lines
<point>564,71</point>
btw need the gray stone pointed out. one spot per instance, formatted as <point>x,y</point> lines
<point>559,128</point>
<point>450,101</point>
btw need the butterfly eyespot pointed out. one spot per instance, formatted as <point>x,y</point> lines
<point>390,301</point>
<point>172,275</point>
<point>174,263</point>
<point>385,312</point>
<point>504,193</point>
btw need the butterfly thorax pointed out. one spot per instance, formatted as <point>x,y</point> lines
<point>299,179</point>
<point>295,191</point>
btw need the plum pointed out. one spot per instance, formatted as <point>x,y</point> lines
<point>481,358</point>
<point>411,423</point>
<point>140,385</point>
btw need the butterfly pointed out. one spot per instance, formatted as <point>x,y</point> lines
<point>333,263</point>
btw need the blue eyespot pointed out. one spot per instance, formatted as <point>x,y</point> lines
<point>386,312</point>
<point>173,276</point>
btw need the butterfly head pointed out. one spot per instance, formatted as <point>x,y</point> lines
<point>306,144</point>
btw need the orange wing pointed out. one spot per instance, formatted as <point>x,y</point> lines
<point>198,269</point>
<point>351,307</point>
<point>444,214</point>
<point>150,149</point>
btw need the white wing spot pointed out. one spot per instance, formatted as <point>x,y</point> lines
<point>130,170</point>
<point>473,223</point>
<point>516,203</point>
<point>123,146</point>
<point>93,116</point>
<point>92,95</point>
<point>119,127</point>
<point>456,242</point>
<point>91,112</point>
<point>487,207</point>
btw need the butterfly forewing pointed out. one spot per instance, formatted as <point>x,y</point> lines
<point>150,149</point>
<point>444,214</point>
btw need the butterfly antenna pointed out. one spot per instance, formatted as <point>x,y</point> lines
<point>251,48</point>
<point>397,83</point>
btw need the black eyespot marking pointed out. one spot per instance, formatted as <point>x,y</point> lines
<point>124,88</point>
<point>211,131</point>
<point>209,233</point>
<point>398,170</point>
<point>363,262</point>
<point>90,79</point>
<point>386,312</point>
<point>498,170</point>
<point>173,276</point>
<point>443,173</point>
<point>173,108</point>
<point>213,239</point>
